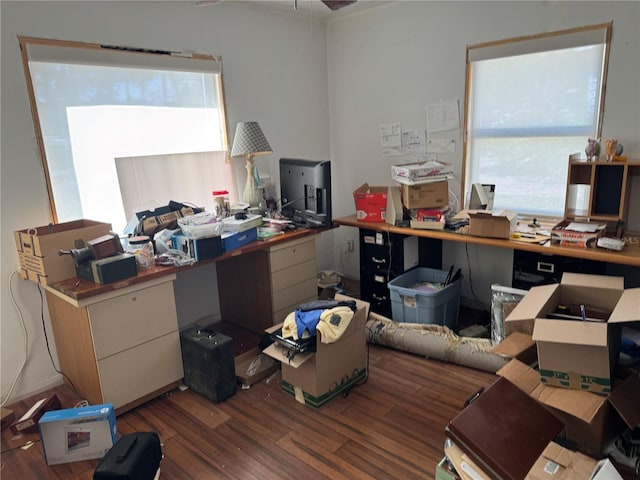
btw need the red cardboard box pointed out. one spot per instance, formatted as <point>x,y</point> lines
<point>371,203</point>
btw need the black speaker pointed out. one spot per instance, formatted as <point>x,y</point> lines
<point>207,359</point>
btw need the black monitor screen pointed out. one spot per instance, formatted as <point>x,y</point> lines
<point>305,191</point>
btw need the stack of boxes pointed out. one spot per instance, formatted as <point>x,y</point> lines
<point>578,377</point>
<point>424,192</point>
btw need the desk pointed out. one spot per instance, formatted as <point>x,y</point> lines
<point>374,279</point>
<point>630,255</point>
<point>119,343</point>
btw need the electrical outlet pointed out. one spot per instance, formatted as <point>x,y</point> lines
<point>350,246</point>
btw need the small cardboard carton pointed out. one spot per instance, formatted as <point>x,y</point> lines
<point>421,172</point>
<point>425,195</point>
<point>76,434</point>
<point>575,353</point>
<point>588,418</point>
<point>316,378</point>
<point>252,366</point>
<point>492,224</point>
<point>559,463</point>
<point>577,234</point>
<point>371,203</point>
<point>38,249</point>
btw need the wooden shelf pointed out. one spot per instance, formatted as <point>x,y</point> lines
<point>599,191</point>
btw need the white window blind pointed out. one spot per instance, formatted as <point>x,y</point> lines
<point>531,102</point>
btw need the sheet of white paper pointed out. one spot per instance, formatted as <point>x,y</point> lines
<point>391,139</point>
<point>413,141</point>
<point>582,227</point>
<point>441,145</point>
<point>443,116</point>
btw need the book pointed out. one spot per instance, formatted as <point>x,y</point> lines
<point>504,430</point>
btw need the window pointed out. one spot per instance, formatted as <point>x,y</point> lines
<point>123,130</point>
<point>530,103</point>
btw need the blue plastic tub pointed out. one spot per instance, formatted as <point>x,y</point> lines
<point>413,301</point>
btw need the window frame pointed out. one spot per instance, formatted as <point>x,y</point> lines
<point>521,46</point>
<point>185,57</point>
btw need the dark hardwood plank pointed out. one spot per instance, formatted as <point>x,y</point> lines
<point>391,426</point>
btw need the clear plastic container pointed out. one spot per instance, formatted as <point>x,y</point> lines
<point>142,248</point>
<point>221,206</point>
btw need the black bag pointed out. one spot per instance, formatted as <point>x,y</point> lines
<point>135,456</point>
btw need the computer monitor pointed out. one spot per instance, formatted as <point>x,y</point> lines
<point>305,192</point>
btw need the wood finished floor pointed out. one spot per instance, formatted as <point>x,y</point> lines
<point>391,427</point>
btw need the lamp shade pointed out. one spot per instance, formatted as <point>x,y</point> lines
<point>249,140</point>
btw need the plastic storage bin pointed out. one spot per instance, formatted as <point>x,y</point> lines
<point>415,305</point>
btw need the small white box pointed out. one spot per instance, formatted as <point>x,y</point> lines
<point>76,434</point>
<point>232,224</point>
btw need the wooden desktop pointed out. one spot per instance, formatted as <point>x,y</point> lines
<point>630,255</point>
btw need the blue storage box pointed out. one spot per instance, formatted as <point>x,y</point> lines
<point>233,240</point>
<point>413,301</point>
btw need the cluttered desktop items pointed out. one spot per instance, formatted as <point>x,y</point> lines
<point>305,192</point>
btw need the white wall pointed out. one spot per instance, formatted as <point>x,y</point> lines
<point>387,64</point>
<point>382,65</point>
<point>274,65</point>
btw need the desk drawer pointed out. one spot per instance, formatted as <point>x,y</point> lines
<point>292,253</point>
<point>123,322</point>
<point>136,372</point>
<point>287,277</point>
<point>295,294</point>
<point>531,268</point>
<point>374,289</point>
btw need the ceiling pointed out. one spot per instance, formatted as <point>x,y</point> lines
<point>316,7</point>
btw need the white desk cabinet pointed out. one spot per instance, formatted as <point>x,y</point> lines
<point>259,289</point>
<point>121,347</point>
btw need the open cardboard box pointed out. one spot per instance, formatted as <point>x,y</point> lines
<point>577,354</point>
<point>588,419</point>
<point>559,463</point>
<point>316,378</point>
<point>371,203</point>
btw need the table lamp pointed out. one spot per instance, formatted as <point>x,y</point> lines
<point>250,141</point>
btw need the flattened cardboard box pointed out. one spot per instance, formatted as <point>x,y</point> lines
<point>316,378</point>
<point>559,463</point>
<point>577,354</point>
<point>588,418</point>
<point>38,249</point>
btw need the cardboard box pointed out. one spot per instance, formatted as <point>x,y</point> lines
<point>577,234</point>
<point>487,223</point>
<point>425,195</point>
<point>75,434</point>
<point>252,366</point>
<point>446,471</point>
<point>198,248</point>
<point>316,378</point>
<point>574,353</point>
<point>371,203</point>
<point>38,249</point>
<point>559,463</point>
<point>395,212</point>
<point>421,172</point>
<point>589,421</point>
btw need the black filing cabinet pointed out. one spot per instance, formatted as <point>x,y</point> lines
<point>384,256</point>
<point>531,268</point>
